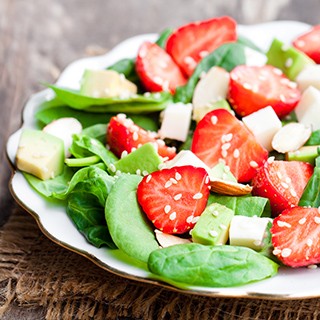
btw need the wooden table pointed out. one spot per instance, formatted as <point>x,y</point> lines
<point>39,38</point>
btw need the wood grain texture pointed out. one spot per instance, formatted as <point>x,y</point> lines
<point>38,38</point>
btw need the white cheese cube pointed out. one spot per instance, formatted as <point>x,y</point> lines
<point>254,57</point>
<point>176,119</point>
<point>264,124</point>
<point>308,108</point>
<point>309,76</point>
<point>213,86</point>
<point>248,231</point>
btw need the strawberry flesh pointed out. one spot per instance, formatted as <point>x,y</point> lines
<point>173,198</point>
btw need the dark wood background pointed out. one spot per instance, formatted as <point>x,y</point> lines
<point>39,38</point>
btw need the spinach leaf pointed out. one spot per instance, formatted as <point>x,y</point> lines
<point>86,209</point>
<point>128,68</point>
<point>134,104</point>
<point>314,139</point>
<point>128,225</point>
<point>248,43</point>
<point>226,56</point>
<point>215,266</point>
<point>162,40</point>
<point>97,131</point>
<point>243,205</point>
<point>311,193</point>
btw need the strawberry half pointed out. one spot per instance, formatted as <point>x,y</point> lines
<point>296,236</point>
<point>309,43</point>
<point>123,135</point>
<point>190,43</point>
<point>255,87</point>
<point>221,137</point>
<point>156,69</point>
<point>173,198</point>
<point>282,182</point>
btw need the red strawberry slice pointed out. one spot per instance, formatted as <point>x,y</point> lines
<point>123,135</point>
<point>156,69</point>
<point>282,182</point>
<point>255,87</point>
<point>296,236</point>
<point>309,43</point>
<point>221,137</point>
<point>190,43</point>
<point>173,198</point>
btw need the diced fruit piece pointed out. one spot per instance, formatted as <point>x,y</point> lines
<point>309,43</point>
<point>64,128</point>
<point>296,236</point>
<point>305,154</point>
<point>173,199</point>
<point>221,172</point>
<point>264,124</point>
<point>176,119</point>
<point>156,69</point>
<point>221,137</point>
<point>190,43</point>
<point>248,231</point>
<point>213,86</point>
<point>282,182</point>
<point>40,154</point>
<point>254,57</point>
<point>254,88</point>
<point>308,108</point>
<point>106,83</point>
<point>309,76</point>
<point>199,113</point>
<point>212,227</point>
<point>287,59</point>
<point>291,137</point>
<point>166,240</point>
<point>142,161</point>
<point>123,135</point>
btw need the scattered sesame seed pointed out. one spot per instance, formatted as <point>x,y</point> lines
<point>226,146</point>
<point>288,63</point>
<point>167,208</point>
<point>195,220</point>
<point>158,80</point>
<point>168,184</point>
<point>207,180</point>
<point>197,196</point>
<point>157,95</point>
<point>224,153</point>
<point>279,175</point>
<point>270,159</point>
<point>203,53</point>
<point>174,181</point>
<point>214,120</point>
<point>236,153</point>
<point>285,185</point>
<point>288,180</point>
<point>277,71</point>
<point>293,192</point>
<point>283,98</point>
<point>135,136</point>
<point>177,196</point>
<point>145,173</point>
<point>189,219</point>
<point>173,216</point>
<point>302,221</point>
<point>312,266</point>
<point>253,164</point>
<point>309,242</point>
<point>317,220</point>
<point>223,226</point>
<point>124,154</point>
<point>222,161</point>
<point>148,178</point>
<point>283,224</point>
<point>215,213</point>
<point>112,167</point>
<point>247,86</point>
<point>138,172</point>
<point>286,252</point>
<point>133,149</point>
<point>276,252</point>
<point>178,176</point>
<point>147,94</point>
<point>213,233</point>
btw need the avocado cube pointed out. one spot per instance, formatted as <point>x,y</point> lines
<point>40,154</point>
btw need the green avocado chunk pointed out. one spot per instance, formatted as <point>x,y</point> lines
<point>288,59</point>
<point>213,225</point>
<point>128,226</point>
<point>143,161</point>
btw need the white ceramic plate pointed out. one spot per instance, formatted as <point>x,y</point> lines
<point>54,222</point>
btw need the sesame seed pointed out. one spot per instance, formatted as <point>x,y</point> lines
<point>213,233</point>
<point>270,159</point>
<point>214,120</point>
<point>158,80</point>
<point>279,175</point>
<point>302,221</point>
<point>220,160</point>
<point>224,153</point>
<point>285,185</point>
<point>226,169</point>
<point>145,173</point>
<point>309,242</point>
<point>215,213</point>
<point>118,173</point>
<point>148,178</point>
<point>283,98</point>
<point>277,71</point>
<point>173,216</point>
<point>317,220</point>
<point>312,266</point>
<point>174,181</point>
<point>134,128</point>
<point>236,153</point>
<point>189,61</point>
<point>133,149</point>
<point>285,47</point>
<point>167,208</point>
<point>300,43</point>
<point>226,146</point>
<point>161,143</point>
<point>157,95</point>
<point>223,227</point>
<point>292,85</point>
<point>124,154</point>
<point>286,252</point>
<point>276,252</point>
<point>121,116</point>
<point>247,86</point>
<point>168,184</point>
<point>189,219</point>
<point>177,196</point>
<point>178,176</point>
<point>207,180</point>
<point>253,164</point>
<point>197,196</point>
<point>112,167</point>
<point>203,53</point>
<point>226,137</point>
<point>138,172</point>
<point>283,224</point>
<point>288,63</point>
<point>195,219</point>
<point>288,180</point>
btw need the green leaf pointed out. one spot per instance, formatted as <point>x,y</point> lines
<point>128,68</point>
<point>314,139</point>
<point>226,56</point>
<point>162,40</point>
<point>211,266</point>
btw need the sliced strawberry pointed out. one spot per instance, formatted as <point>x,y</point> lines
<point>296,236</point>
<point>190,43</point>
<point>221,137</point>
<point>282,182</point>
<point>156,69</point>
<point>309,43</point>
<point>173,198</point>
<point>255,87</point>
<point>124,135</point>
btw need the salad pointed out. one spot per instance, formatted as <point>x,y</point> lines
<point>200,161</point>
